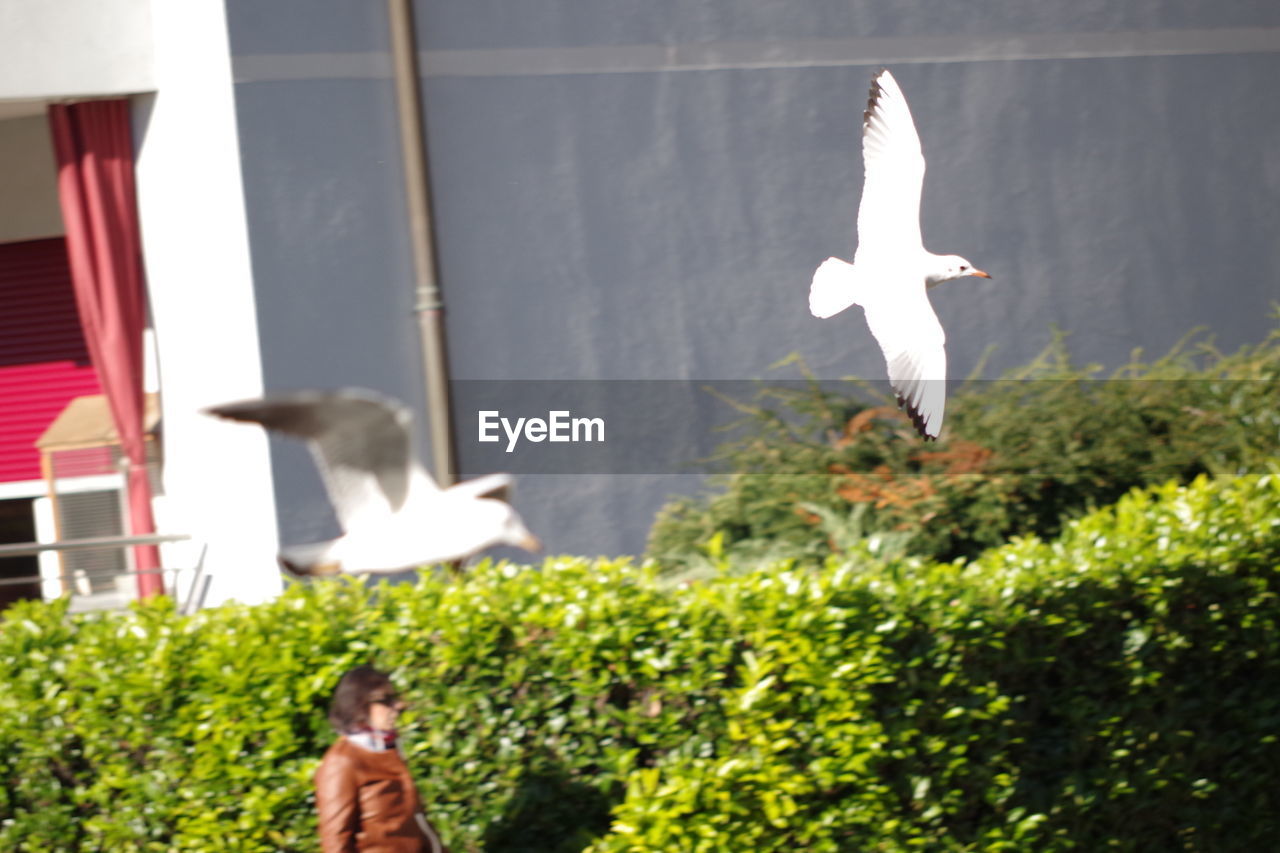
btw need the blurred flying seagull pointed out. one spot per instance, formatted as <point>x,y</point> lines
<point>392,513</point>
<point>892,271</point>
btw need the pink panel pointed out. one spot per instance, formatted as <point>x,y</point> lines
<point>43,359</point>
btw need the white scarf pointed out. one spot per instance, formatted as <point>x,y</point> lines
<point>374,740</point>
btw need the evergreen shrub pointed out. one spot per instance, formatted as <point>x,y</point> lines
<point>811,462</point>
<point>1116,688</point>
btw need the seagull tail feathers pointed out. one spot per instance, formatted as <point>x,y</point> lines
<point>834,288</point>
<point>492,485</point>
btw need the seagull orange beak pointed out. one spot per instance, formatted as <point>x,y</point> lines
<point>980,274</point>
<point>531,543</point>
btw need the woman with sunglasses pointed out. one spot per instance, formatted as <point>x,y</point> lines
<point>366,799</point>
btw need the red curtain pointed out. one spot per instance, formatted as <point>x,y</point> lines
<point>94,149</point>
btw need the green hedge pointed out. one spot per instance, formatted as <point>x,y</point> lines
<point>1018,456</point>
<point>1118,688</point>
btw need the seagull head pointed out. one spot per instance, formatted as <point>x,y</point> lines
<point>511,529</point>
<point>947,267</point>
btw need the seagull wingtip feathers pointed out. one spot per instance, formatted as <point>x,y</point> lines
<point>917,418</point>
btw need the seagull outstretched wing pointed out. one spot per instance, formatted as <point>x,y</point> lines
<point>889,215</point>
<point>360,442</point>
<point>914,350</point>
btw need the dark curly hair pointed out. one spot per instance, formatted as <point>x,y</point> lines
<point>349,709</point>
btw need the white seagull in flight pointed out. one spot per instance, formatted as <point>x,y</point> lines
<point>892,271</point>
<point>393,514</point>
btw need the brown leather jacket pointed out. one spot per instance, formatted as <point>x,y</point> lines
<point>367,803</point>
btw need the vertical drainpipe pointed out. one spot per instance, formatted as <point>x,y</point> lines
<point>428,302</point>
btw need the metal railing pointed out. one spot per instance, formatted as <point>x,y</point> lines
<point>31,549</point>
<point>68,580</point>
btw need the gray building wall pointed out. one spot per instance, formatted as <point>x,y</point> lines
<point>325,205</point>
<point>641,190</point>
